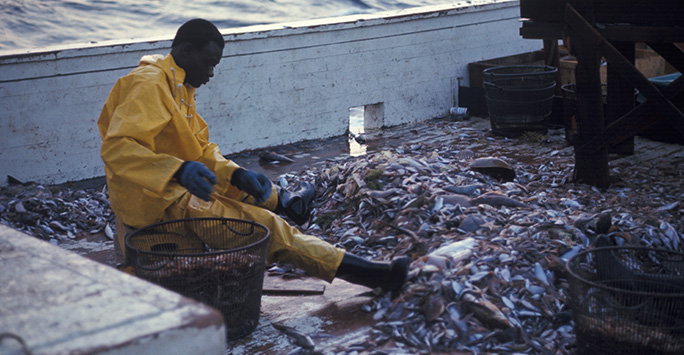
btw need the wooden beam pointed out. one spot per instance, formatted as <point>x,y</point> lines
<point>541,30</point>
<point>671,53</point>
<point>591,37</point>
<point>633,122</point>
<point>674,88</point>
<point>643,33</point>
<point>624,66</point>
<point>590,167</point>
<point>620,98</point>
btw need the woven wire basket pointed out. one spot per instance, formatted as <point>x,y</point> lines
<point>627,300</point>
<point>519,98</point>
<point>217,261</point>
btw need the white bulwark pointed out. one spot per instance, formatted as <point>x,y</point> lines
<point>276,84</point>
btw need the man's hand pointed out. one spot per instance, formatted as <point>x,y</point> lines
<point>253,183</point>
<point>197,178</point>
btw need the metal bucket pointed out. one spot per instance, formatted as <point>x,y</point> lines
<point>627,300</point>
<point>217,261</point>
<point>519,98</point>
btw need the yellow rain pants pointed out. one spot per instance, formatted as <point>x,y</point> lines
<point>149,127</point>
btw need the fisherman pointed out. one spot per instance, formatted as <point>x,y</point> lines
<point>160,165</point>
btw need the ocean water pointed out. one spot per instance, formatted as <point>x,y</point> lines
<point>30,24</point>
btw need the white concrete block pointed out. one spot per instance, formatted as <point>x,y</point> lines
<point>61,303</point>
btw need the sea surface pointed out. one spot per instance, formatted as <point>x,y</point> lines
<point>30,24</point>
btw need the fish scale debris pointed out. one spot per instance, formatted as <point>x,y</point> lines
<point>56,214</point>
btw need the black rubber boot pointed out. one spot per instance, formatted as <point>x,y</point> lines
<point>390,277</point>
<point>296,204</point>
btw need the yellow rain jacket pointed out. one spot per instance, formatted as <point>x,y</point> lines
<point>149,127</point>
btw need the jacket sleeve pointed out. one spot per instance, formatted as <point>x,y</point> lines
<point>214,160</point>
<point>128,147</point>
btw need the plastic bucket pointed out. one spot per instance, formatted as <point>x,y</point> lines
<point>519,98</point>
<point>217,261</point>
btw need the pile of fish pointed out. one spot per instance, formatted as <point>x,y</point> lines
<point>489,224</point>
<point>56,214</point>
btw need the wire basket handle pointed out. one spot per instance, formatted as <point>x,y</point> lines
<point>251,229</point>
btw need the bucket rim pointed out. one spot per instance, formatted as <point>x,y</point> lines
<point>204,254</point>
<point>615,289</point>
<point>571,89</point>
<point>547,69</point>
<point>549,86</point>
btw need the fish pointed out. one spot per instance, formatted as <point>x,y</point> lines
<point>494,167</point>
<point>471,222</point>
<point>302,340</point>
<point>456,200</point>
<point>464,189</point>
<point>485,311</point>
<point>270,157</point>
<point>496,199</point>
<point>434,307</point>
<point>359,138</point>
<point>458,250</point>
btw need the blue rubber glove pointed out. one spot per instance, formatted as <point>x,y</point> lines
<point>197,178</point>
<point>255,184</point>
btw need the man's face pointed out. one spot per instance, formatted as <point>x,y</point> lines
<point>200,63</point>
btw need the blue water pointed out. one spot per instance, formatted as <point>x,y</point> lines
<point>28,24</point>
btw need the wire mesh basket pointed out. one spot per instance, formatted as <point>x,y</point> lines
<point>627,300</point>
<point>217,261</point>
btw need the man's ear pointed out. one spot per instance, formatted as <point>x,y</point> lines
<point>187,49</point>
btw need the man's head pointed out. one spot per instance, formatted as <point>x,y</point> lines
<point>197,48</point>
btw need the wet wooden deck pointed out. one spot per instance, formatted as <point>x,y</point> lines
<point>334,320</point>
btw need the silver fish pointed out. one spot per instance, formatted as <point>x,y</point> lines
<point>299,339</point>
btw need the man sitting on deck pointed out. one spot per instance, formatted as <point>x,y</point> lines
<point>160,165</point>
